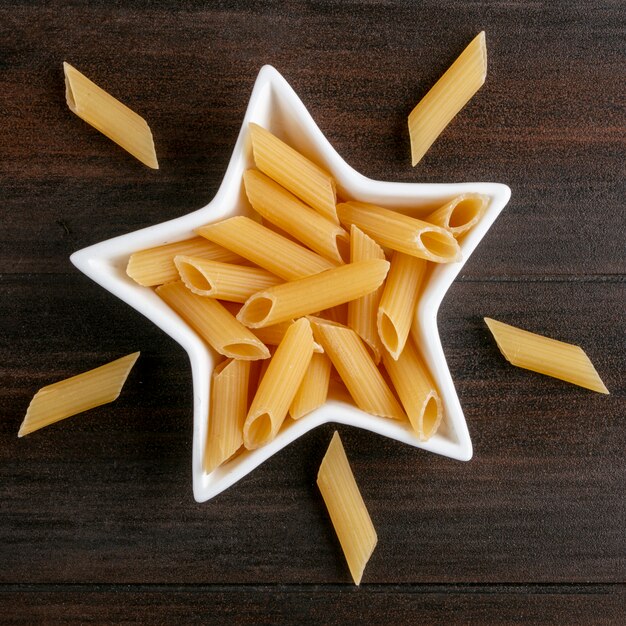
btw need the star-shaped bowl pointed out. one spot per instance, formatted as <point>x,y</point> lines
<point>275,106</point>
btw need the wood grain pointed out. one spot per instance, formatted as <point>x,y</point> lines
<point>333,605</point>
<point>97,519</point>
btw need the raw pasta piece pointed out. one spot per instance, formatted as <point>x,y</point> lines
<point>313,390</point>
<point>337,313</point>
<point>460,214</point>
<point>346,508</point>
<point>283,209</point>
<point>108,115</point>
<point>357,369</point>
<point>313,293</point>
<point>263,368</point>
<point>401,232</point>
<point>547,356</point>
<point>213,323</point>
<point>273,335</point>
<point>447,97</point>
<point>319,319</point>
<point>362,312</point>
<point>229,407</point>
<point>278,231</point>
<point>155,266</point>
<point>232,307</point>
<point>398,301</point>
<point>265,248</point>
<point>279,385</point>
<point>225,281</point>
<point>294,172</point>
<point>416,390</point>
<point>74,395</point>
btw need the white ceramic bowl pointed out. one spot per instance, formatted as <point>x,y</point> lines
<point>275,106</point>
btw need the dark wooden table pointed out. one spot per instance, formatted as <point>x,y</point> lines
<point>97,519</point>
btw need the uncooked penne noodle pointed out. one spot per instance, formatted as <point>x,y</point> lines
<point>401,232</point>
<point>213,323</point>
<point>399,300</point>
<point>155,266</point>
<point>265,248</point>
<point>357,369</point>
<point>416,390</point>
<point>273,335</point>
<point>74,395</point>
<point>537,353</point>
<point>447,97</point>
<point>294,172</point>
<point>232,307</point>
<point>313,390</point>
<point>313,293</point>
<point>224,281</point>
<point>229,407</point>
<point>282,208</point>
<point>319,319</point>
<point>262,369</point>
<point>108,115</point>
<point>460,214</point>
<point>337,313</point>
<point>346,508</point>
<point>362,312</point>
<point>278,231</point>
<point>279,385</point>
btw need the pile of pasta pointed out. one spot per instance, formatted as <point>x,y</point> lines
<point>305,290</point>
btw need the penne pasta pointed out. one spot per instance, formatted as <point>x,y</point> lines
<point>108,115</point>
<point>543,355</point>
<point>313,293</point>
<point>155,266</point>
<point>283,209</point>
<point>74,395</point>
<point>235,283</point>
<point>273,335</point>
<point>337,313</point>
<point>357,370</point>
<point>362,312</point>
<point>416,390</point>
<point>399,300</point>
<point>232,307</point>
<point>294,172</point>
<point>213,323</point>
<point>401,232</point>
<point>278,231</point>
<point>313,390</point>
<point>346,508</point>
<point>447,97</point>
<point>262,369</point>
<point>254,377</point>
<point>229,407</point>
<point>279,385</point>
<point>265,248</point>
<point>460,214</point>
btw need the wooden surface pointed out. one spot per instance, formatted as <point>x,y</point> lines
<point>97,518</point>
